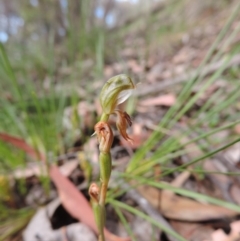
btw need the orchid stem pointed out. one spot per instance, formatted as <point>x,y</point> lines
<point>98,195</point>
<point>101,235</point>
<point>115,91</point>
<point>103,193</point>
<point>104,117</point>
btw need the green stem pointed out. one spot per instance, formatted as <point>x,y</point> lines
<point>99,213</point>
<point>104,117</point>
<point>103,193</point>
<point>101,237</point>
<point>105,172</point>
<point>105,161</point>
<point>102,219</point>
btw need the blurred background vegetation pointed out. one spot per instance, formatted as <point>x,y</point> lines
<point>56,53</point>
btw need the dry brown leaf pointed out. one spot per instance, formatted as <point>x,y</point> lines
<point>67,168</point>
<point>134,66</point>
<point>144,109</point>
<point>184,55</point>
<point>108,71</point>
<point>232,154</point>
<point>118,67</point>
<point>181,208</point>
<point>192,231</point>
<point>21,144</point>
<point>73,200</point>
<point>76,204</point>
<point>222,182</point>
<point>155,72</point>
<point>128,53</point>
<point>237,128</point>
<point>235,193</point>
<point>164,100</point>
<point>39,169</point>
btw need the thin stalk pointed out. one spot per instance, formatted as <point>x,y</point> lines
<point>162,156</point>
<point>200,158</point>
<point>109,99</point>
<point>124,222</point>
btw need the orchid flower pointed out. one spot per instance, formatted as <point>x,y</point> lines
<point>115,91</point>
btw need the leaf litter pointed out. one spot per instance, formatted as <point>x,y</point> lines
<point>187,216</point>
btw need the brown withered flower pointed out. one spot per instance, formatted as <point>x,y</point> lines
<point>123,120</point>
<point>94,192</point>
<point>104,135</point>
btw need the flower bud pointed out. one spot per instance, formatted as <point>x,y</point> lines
<point>98,210</point>
<point>94,192</point>
<point>104,135</point>
<point>115,91</point>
